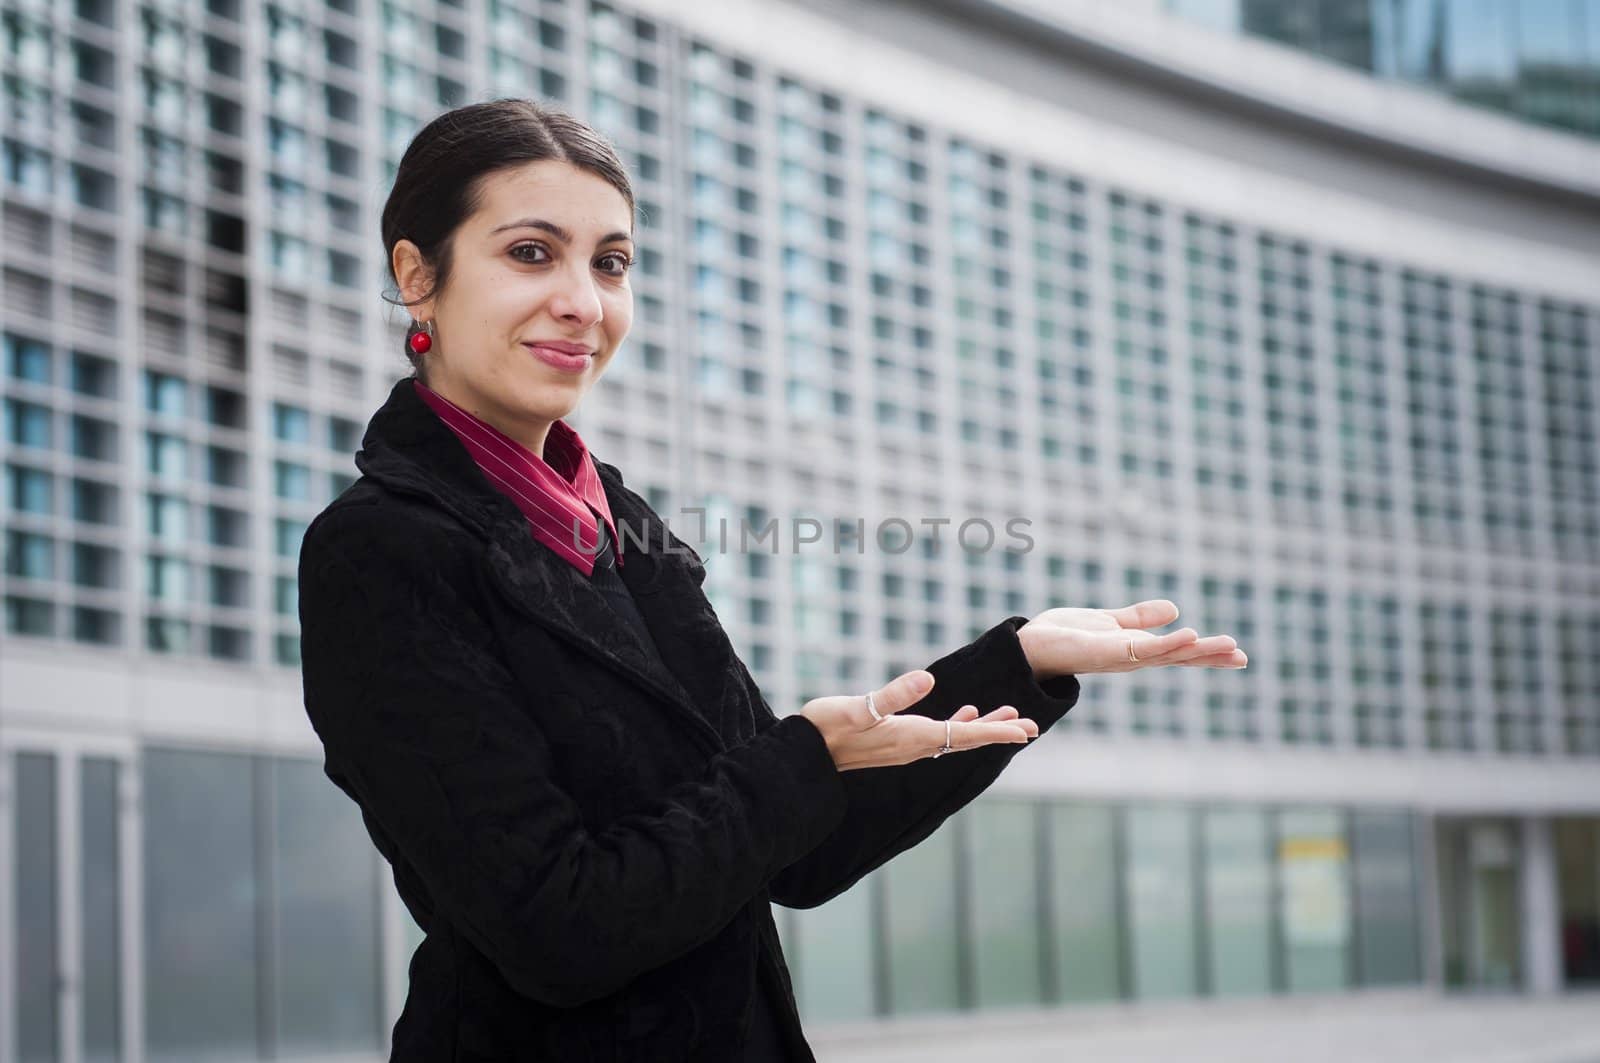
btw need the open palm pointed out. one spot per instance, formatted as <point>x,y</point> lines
<point>1072,640</point>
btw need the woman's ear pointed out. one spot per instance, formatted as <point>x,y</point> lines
<point>414,278</point>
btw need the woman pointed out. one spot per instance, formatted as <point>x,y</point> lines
<point>587,804</point>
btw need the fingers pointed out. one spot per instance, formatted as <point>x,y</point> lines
<point>970,712</point>
<point>1152,648</point>
<point>968,730</point>
<point>980,733</point>
<point>1198,648</point>
<point>1152,612</point>
<point>1224,659</point>
<point>901,692</point>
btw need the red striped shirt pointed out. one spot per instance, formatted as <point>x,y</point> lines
<point>557,493</point>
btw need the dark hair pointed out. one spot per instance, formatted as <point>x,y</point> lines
<point>439,183</point>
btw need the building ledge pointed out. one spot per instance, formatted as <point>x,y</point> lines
<point>1278,83</point>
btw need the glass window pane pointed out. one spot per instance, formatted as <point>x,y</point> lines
<point>1002,865</point>
<point>100,883</point>
<point>1313,867</point>
<point>1083,897</point>
<point>1388,929</point>
<point>923,926</point>
<point>1238,898</point>
<point>326,877</point>
<point>199,905</point>
<point>832,959</point>
<point>1160,884</point>
<point>1577,842</point>
<point>35,958</point>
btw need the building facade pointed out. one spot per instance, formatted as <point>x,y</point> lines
<point>1536,59</point>
<point>945,312</point>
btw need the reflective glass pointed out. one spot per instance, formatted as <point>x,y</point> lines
<point>1160,900</point>
<point>34,956</point>
<point>200,948</point>
<point>1002,867</point>
<point>1238,900</point>
<point>923,926</point>
<point>1089,959</point>
<point>100,885</point>
<point>1388,930</point>
<point>1313,870</point>
<point>326,883</point>
<point>831,958</point>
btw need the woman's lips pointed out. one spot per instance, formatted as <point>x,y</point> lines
<point>557,359</point>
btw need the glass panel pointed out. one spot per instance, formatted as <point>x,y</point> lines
<point>1388,930</point>
<point>100,883</point>
<point>1578,861</point>
<point>923,925</point>
<point>35,958</point>
<point>1083,899</point>
<point>1314,866</point>
<point>1238,900</point>
<point>1002,865</point>
<point>832,959</point>
<point>1494,924</point>
<point>1450,853</point>
<point>199,905</point>
<point>326,879</point>
<point>1160,884</point>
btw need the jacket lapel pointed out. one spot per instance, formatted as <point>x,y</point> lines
<point>408,450</point>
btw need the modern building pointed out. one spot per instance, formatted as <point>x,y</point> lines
<point>1309,351</point>
<point>1536,59</point>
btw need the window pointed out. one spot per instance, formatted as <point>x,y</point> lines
<point>286,142</point>
<point>165,456</point>
<point>165,213</point>
<point>29,490</point>
<point>287,535</point>
<point>27,359</point>
<point>168,518</point>
<point>27,424</point>
<point>29,556</point>
<point>164,394</point>
<point>291,481</point>
<point>28,168</point>
<point>343,436</point>
<point>290,424</point>
<point>167,579</point>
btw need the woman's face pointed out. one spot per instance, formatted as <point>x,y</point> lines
<point>545,259</point>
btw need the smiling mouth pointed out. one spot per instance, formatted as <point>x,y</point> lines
<point>558,358</point>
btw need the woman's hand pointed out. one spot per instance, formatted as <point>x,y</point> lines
<point>857,740</point>
<point>1069,641</point>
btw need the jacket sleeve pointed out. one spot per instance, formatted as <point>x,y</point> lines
<point>892,809</point>
<point>426,728</point>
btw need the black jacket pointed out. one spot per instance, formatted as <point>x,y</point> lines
<point>590,841</point>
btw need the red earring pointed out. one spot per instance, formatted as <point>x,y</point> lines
<point>421,339</point>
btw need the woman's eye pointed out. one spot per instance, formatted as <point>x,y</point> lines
<point>619,262</point>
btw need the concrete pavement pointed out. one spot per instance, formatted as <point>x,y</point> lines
<point>1366,1027</point>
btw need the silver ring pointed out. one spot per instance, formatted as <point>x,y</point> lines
<point>877,717</point>
<point>1131,656</point>
<point>947,747</point>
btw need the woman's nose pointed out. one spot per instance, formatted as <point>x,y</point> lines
<point>576,299</point>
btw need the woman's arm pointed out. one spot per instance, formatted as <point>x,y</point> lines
<point>425,726</point>
<point>891,809</point>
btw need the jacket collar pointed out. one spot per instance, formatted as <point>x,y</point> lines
<point>408,450</point>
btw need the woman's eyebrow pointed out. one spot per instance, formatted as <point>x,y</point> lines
<point>554,230</point>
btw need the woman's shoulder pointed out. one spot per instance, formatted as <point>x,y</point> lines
<point>367,519</point>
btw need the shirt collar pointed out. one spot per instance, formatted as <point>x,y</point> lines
<point>560,494</point>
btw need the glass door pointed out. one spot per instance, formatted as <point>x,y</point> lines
<point>66,847</point>
<point>1480,905</point>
